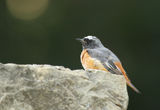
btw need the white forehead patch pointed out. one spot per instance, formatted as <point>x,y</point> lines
<point>90,37</point>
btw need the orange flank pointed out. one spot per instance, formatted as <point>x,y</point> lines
<point>118,64</point>
<point>90,63</point>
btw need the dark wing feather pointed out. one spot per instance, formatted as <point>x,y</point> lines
<point>107,58</point>
<point>111,67</point>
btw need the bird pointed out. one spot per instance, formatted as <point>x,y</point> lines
<point>95,55</point>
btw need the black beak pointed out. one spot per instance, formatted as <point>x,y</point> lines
<point>79,39</point>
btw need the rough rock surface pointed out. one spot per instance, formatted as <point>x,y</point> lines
<point>45,87</point>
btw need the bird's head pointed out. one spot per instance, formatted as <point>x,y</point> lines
<point>90,42</point>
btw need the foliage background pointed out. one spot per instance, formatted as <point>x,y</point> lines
<point>44,32</point>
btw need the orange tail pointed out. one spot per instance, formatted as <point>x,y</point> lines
<point>126,77</point>
<point>130,84</point>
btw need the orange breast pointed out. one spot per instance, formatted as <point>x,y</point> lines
<point>90,63</point>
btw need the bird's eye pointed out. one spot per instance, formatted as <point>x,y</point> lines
<point>87,40</point>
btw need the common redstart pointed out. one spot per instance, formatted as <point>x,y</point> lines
<point>95,56</point>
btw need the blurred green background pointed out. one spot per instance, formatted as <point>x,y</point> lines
<point>44,32</point>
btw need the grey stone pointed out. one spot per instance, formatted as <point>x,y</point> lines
<point>46,87</point>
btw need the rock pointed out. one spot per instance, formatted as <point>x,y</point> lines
<point>46,87</point>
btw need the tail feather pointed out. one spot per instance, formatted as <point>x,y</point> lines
<point>129,83</point>
<point>126,77</point>
<point>133,87</point>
